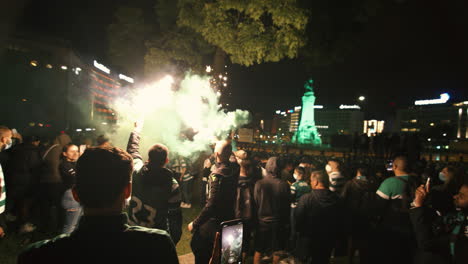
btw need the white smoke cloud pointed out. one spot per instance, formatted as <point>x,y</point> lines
<point>167,112</point>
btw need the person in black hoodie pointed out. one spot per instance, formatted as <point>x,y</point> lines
<point>245,204</point>
<point>319,221</point>
<point>24,168</point>
<point>273,202</point>
<point>152,185</point>
<point>356,194</point>
<point>219,206</point>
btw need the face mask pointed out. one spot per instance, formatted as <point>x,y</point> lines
<point>442,176</point>
<point>328,168</point>
<point>8,145</point>
<point>295,176</point>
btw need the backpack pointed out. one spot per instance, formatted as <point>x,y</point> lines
<point>409,190</point>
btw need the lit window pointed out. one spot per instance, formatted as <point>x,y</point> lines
<point>431,124</point>
<point>414,121</point>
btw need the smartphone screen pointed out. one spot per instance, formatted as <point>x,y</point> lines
<point>82,149</point>
<point>390,166</point>
<point>231,242</point>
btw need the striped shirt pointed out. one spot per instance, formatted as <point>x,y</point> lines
<point>179,165</point>
<point>298,189</point>
<point>392,188</point>
<point>3,192</point>
<point>337,181</point>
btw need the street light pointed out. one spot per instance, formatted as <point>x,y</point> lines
<point>362,98</point>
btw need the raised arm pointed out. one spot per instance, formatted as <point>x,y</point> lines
<point>133,148</point>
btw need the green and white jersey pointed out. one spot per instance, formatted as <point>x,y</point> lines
<point>179,165</point>
<point>392,188</point>
<point>3,193</point>
<point>298,189</point>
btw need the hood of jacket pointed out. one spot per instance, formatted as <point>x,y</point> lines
<point>324,197</point>
<point>272,167</point>
<point>224,169</point>
<point>62,140</point>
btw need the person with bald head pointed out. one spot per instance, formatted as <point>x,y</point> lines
<point>220,204</point>
<point>395,230</point>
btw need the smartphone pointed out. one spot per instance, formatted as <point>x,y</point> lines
<point>82,149</point>
<point>232,233</point>
<point>389,165</point>
<point>428,181</point>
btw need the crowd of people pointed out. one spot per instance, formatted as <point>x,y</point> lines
<point>294,208</point>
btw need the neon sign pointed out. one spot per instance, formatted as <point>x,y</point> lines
<point>101,67</point>
<point>350,107</point>
<point>442,100</point>
<point>126,78</point>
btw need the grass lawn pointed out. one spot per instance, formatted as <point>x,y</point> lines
<point>183,247</point>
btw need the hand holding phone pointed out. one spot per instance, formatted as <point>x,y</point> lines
<point>231,242</point>
<point>427,185</point>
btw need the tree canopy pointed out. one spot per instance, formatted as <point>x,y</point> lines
<point>188,32</point>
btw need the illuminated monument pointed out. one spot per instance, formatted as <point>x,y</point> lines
<point>307,132</point>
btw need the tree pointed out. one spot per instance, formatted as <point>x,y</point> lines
<point>152,42</point>
<point>127,37</point>
<point>174,49</point>
<point>249,32</point>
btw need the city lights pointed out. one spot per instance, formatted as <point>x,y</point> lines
<point>126,78</point>
<point>49,66</point>
<point>101,67</point>
<point>350,107</point>
<point>442,100</point>
<point>63,67</point>
<point>33,63</point>
<point>362,98</point>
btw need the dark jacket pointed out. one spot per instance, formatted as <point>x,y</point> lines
<point>440,239</point>
<point>67,171</point>
<point>104,239</point>
<point>320,214</point>
<point>152,188</point>
<point>245,204</point>
<point>272,198</point>
<point>221,198</point>
<point>23,166</point>
<point>356,195</point>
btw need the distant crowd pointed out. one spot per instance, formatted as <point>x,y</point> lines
<point>111,205</point>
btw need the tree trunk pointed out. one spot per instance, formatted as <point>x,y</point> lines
<point>219,62</point>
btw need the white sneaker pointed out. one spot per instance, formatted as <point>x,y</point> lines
<point>27,228</point>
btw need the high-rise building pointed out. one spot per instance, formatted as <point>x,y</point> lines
<point>444,120</point>
<point>49,84</point>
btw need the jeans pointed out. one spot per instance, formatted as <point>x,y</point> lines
<point>186,187</point>
<point>72,212</point>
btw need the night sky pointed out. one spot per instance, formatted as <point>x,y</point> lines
<point>417,50</point>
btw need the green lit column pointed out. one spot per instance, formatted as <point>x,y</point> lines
<point>307,133</point>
